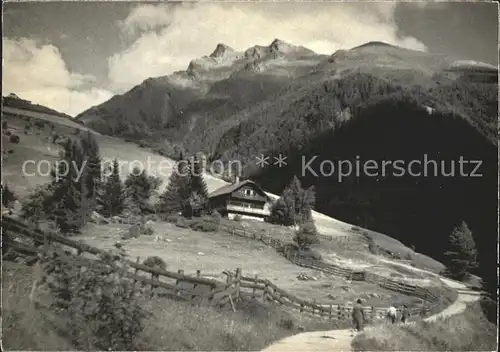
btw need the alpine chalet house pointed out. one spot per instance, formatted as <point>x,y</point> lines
<point>244,198</point>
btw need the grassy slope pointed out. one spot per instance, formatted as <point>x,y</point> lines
<point>173,326</point>
<point>213,253</point>
<point>469,331</point>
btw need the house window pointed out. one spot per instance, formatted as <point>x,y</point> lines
<point>249,192</point>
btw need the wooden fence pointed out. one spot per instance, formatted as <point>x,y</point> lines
<point>199,289</point>
<point>384,282</point>
<point>347,242</point>
<point>161,281</point>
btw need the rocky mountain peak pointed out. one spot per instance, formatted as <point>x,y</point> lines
<point>280,45</point>
<point>221,50</point>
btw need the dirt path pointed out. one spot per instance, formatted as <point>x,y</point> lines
<point>340,340</point>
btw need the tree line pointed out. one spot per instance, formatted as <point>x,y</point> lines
<point>75,192</point>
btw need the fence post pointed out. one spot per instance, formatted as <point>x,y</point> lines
<point>264,294</point>
<point>238,280</point>
<point>330,313</point>
<point>181,272</point>
<point>373,313</point>
<point>253,290</point>
<point>313,304</point>
<point>153,286</point>
<point>339,312</point>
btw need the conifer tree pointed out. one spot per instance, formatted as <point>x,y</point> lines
<point>295,204</point>
<point>113,193</point>
<point>198,190</point>
<point>72,207</point>
<point>462,252</point>
<point>8,197</point>
<point>176,194</point>
<point>93,165</point>
<point>139,187</point>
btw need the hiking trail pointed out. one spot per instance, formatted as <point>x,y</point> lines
<point>340,340</point>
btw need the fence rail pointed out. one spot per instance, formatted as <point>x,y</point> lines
<point>384,282</point>
<point>216,292</point>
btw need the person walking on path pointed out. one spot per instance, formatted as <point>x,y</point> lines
<point>391,314</point>
<point>405,314</point>
<point>358,316</point>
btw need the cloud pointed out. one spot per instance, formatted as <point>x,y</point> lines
<point>172,35</point>
<point>38,73</point>
<point>144,18</point>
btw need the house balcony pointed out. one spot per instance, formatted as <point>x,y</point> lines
<point>248,210</point>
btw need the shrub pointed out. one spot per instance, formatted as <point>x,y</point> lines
<point>102,305</point>
<point>4,124</point>
<point>238,218</point>
<point>14,138</point>
<point>148,231</point>
<point>155,262</point>
<point>306,236</point>
<point>216,216</point>
<point>183,222</point>
<point>171,218</point>
<point>8,133</point>
<point>309,253</point>
<point>39,204</point>
<point>205,224</point>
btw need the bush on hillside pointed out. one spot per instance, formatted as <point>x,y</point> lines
<point>238,218</point>
<point>205,224</point>
<point>215,215</point>
<point>171,218</point>
<point>183,223</point>
<point>14,138</point>
<point>102,305</point>
<point>306,235</point>
<point>136,231</point>
<point>155,262</point>
<point>39,205</point>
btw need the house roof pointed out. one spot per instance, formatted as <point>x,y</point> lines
<point>233,187</point>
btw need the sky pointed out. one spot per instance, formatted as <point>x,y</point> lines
<point>73,55</point>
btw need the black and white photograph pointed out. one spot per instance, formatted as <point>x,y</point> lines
<point>275,176</point>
